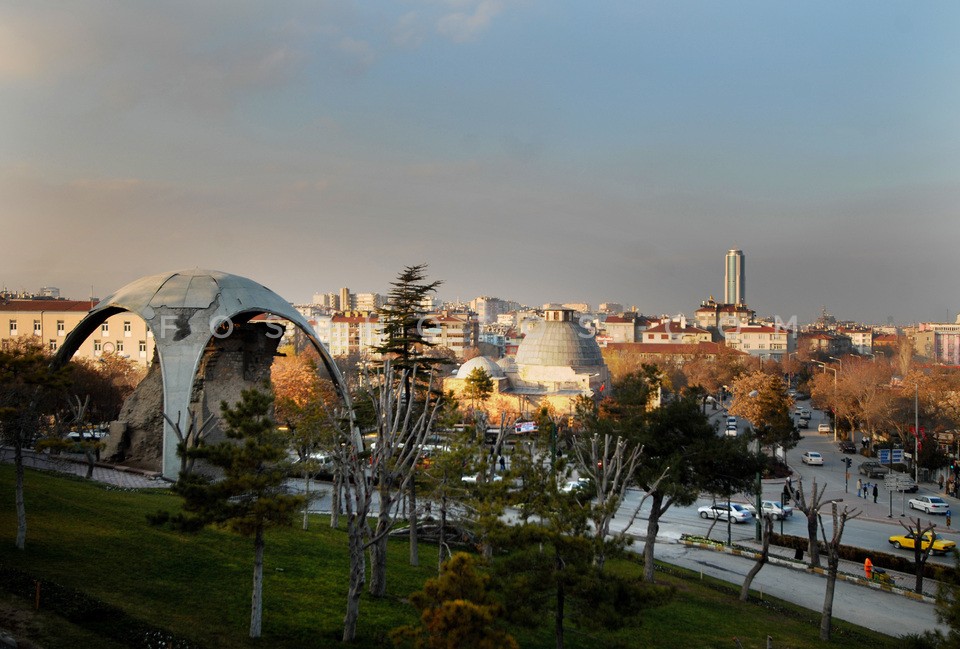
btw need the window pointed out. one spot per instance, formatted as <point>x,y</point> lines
<point>119,346</point>
<point>61,328</point>
<point>52,345</point>
<point>37,328</point>
<point>105,329</point>
<point>97,347</point>
<point>127,329</point>
<point>143,347</point>
<point>13,327</point>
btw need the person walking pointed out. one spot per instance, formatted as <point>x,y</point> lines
<point>876,492</point>
<point>859,488</point>
<point>940,481</point>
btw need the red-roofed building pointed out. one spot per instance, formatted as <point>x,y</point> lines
<point>676,353</point>
<point>626,328</point>
<point>675,331</point>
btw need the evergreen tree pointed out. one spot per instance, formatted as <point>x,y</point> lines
<point>250,497</point>
<point>402,318</point>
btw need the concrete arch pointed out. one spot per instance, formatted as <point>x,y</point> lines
<point>184,310</point>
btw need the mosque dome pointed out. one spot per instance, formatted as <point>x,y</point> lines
<point>559,343</point>
<point>508,364</point>
<point>486,364</point>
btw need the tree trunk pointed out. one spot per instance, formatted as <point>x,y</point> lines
<point>21,504</point>
<point>653,527</point>
<point>561,597</point>
<point>826,618</point>
<point>442,542</point>
<point>338,493</point>
<point>378,557</point>
<point>306,503</point>
<point>813,546</point>
<point>357,578</point>
<point>764,556</point>
<point>256,600</point>
<point>414,545</point>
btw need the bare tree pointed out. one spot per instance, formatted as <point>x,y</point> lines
<point>402,424</point>
<point>811,510</point>
<point>921,549</point>
<point>761,560</point>
<point>833,563</point>
<point>610,465</point>
<point>190,439</point>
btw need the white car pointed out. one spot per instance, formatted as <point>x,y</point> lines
<point>929,504</point>
<point>736,512</point>
<point>575,485</point>
<point>772,508</point>
<point>811,457</point>
<point>823,428</point>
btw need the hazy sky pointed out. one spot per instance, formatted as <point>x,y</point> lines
<point>535,150</point>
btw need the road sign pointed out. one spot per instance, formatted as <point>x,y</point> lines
<point>883,455</point>
<point>898,481</point>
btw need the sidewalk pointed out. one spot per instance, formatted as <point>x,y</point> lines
<point>118,476</point>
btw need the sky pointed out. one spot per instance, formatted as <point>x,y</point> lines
<point>532,150</point>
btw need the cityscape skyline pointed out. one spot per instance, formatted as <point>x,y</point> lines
<point>534,152</point>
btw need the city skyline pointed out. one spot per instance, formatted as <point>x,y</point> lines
<point>525,150</point>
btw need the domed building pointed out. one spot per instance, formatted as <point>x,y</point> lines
<point>557,362</point>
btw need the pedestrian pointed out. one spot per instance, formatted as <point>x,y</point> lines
<point>949,516</point>
<point>859,488</point>
<point>868,568</point>
<point>503,464</point>
<point>940,481</point>
<point>876,492</point>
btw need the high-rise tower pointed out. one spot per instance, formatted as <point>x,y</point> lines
<point>733,292</point>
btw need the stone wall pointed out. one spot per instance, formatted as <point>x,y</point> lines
<point>228,366</point>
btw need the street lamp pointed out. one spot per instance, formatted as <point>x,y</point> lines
<point>838,360</point>
<point>916,432</point>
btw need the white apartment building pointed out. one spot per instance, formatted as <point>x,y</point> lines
<point>861,339</point>
<point>353,332</point>
<point>457,332</point>
<point>761,340</point>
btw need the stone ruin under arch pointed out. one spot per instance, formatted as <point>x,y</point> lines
<point>207,351</point>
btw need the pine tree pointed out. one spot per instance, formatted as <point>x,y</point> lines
<point>250,497</point>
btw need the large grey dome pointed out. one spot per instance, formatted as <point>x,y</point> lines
<point>559,344</point>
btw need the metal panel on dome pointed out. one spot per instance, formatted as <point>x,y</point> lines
<point>187,291</point>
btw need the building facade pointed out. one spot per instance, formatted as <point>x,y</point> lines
<point>50,321</point>
<point>761,340</point>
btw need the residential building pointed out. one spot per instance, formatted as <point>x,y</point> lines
<point>828,343</point>
<point>761,340</point>
<point>50,321</point>
<point>354,332</point>
<point>717,316</point>
<point>610,307</point>
<point>624,328</point>
<point>861,338</point>
<point>675,331</point>
<point>457,332</point>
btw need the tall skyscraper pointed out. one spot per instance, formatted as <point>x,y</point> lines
<point>733,291</point>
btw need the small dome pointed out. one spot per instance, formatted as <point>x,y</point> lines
<point>559,344</point>
<point>488,366</point>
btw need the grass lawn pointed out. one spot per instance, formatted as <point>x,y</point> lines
<point>96,539</point>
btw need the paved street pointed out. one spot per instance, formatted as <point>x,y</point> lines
<point>76,465</point>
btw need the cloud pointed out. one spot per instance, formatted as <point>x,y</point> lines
<point>462,27</point>
<point>360,53</point>
<point>408,32</point>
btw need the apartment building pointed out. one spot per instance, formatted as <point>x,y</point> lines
<point>50,321</point>
<point>761,340</point>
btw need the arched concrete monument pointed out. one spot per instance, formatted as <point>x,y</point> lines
<point>184,310</point>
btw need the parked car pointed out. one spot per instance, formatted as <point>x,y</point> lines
<point>873,469</point>
<point>772,508</point>
<point>929,504</point>
<point>580,484</point>
<point>909,540</point>
<point>824,427</point>
<point>732,430</point>
<point>736,512</point>
<point>811,457</point>
<point>846,446</point>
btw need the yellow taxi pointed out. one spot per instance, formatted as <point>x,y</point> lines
<point>908,541</point>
